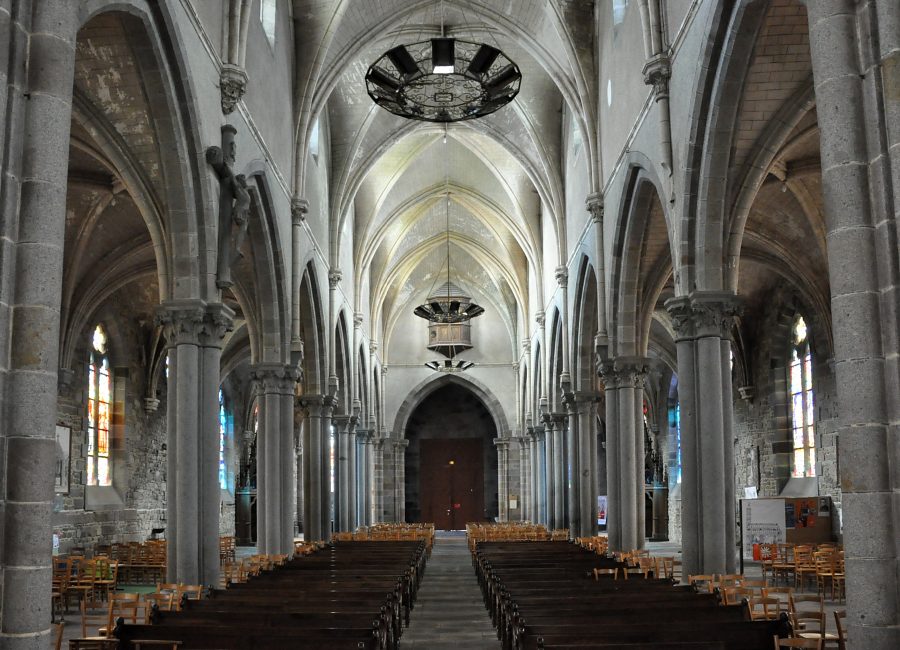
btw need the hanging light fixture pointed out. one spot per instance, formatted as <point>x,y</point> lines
<point>443,79</point>
<point>448,310</point>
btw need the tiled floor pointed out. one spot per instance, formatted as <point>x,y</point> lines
<point>449,611</point>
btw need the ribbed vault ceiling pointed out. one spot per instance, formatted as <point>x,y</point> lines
<point>392,176</point>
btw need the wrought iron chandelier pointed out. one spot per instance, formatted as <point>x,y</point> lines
<point>448,310</point>
<point>443,79</point>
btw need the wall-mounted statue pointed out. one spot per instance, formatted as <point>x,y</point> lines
<point>234,206</point>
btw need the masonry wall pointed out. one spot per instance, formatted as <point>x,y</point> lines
<point>762,418</point>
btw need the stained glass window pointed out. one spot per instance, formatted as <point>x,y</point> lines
<point>675,424</point>
<point>802,402</point>
<point>99,469</point>
<point>223,431</point>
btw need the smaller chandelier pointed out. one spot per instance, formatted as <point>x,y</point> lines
<point>443,80</point>
<point>450,365</point>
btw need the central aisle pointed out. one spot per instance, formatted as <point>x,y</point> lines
<point>449,610</point>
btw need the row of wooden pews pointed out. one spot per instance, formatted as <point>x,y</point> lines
<point>544,595</point>
<point>347,595</point>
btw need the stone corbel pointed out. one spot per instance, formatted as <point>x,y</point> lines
<point>232,86</point>
<point>657,72</point>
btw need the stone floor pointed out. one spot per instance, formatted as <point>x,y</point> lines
<point>449,611</point>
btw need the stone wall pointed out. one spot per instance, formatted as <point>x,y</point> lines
<point>762,414</point>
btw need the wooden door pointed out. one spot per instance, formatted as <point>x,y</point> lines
<point>451,483</point>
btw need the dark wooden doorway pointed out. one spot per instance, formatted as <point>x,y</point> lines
<point>451,483</point>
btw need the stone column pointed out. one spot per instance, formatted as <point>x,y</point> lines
<point>317,506</point>
<point>367,483</point>
<point>41,65</point>
<point>194,332</point>
<point>547,501</point>
<point>378,479</point>
<point>630,443</point>
<point>269,519</point>
<point>584,502</point>
<point>613,497</point>
<point>855,49</point>
<point>531,474</point>
<point>558,428</point>
<point>354,520</point>
<point>573,465</point>
<point>400,478</point>
<point>703,322</point>
<point>342,469</point>
<point>502,445</point>
<point>539,463</point>
<point>524,483</point>
<point>288,465</point>
<point>218,319</point>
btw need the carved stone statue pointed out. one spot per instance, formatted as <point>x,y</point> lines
<point>234,206</point>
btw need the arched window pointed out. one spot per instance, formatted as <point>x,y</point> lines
<point>619,7</point>
<point>802,402</point>
<point>223,431</point>
<point>267,12</point>
<point>99,469</point>
<point>314,137</point>
<point>675,426</point>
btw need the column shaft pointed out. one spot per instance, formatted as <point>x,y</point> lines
<point>614,497</point>
<point>856,71</point>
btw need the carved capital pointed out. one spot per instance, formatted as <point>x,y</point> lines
<point>562,276</point>
<point>299,210</point>
<point>373,347</point>
<point>526,346</point>
<point>595,206</point>
<point>217,321</point>
<point>232,86</point>
<point>608,375</point>
<point>540,318</point>
<point>334,278</point>
<point>502,443</point>
<point>151,404</point>
<point>181,321</point>
<point>657,72</point>
<point>703,314</point>
<point>358,319</point>
<point>631,371</point>
<point>269,377</point>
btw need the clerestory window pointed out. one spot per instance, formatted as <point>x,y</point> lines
<point>802,402</point>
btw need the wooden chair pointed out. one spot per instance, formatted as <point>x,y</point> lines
<point>808,618</point>
<point>137,644</point>
<point>634,571</point>
<point>125,606</point>
<point>784,563</point>
<point>93,644</point>
<point>107,572</point>
<point>764,609</point>
<point>804,565</point>
<point>736,595</point>
<point>703,582</point>
<point>58,629</point>
<point>815,644</point>
<point>164,602</point>
<point>614,572</point>
<point>839,617</point>
<point>91,619</point>
<point>838,578</point>
<point>191,592</point>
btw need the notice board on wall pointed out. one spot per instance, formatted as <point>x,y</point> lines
<point>763,522</point>
<point>800,520</point>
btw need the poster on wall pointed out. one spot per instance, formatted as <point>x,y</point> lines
<point>61,482</point>
<point>762,523</point>
<point>601,510</point>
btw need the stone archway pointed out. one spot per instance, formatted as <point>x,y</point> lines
<point>451,473</point>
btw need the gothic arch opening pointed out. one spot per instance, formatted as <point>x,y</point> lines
<point>451,460</point>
